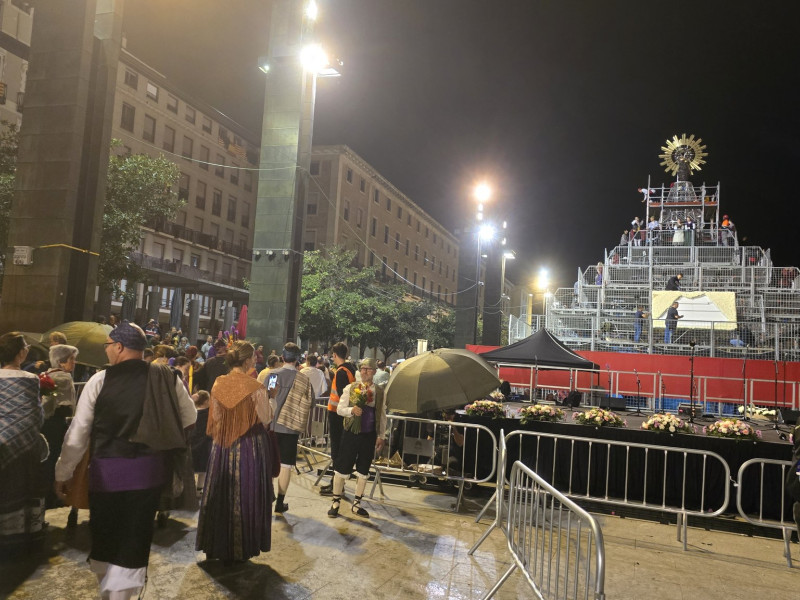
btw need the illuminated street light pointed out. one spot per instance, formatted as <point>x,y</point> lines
<point>312,10</point>
<point>313,58</point>
<point>483,192</point>
<point>486,233</point>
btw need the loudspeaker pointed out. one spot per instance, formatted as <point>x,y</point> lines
<point>611,403</point>
<point>790,417</point>
<point>574,399</point>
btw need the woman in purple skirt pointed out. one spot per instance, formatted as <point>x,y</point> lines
<point>236,506</point>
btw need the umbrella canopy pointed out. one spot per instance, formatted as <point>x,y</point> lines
<point>88,337</point>
<point>37,350</point>
<point>176,310</point>
<point>438,380</point>
<point>242,325</point>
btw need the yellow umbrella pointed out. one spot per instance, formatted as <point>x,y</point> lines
<point>38,351</point>
<point>438,380</point>
<point>88,337</point>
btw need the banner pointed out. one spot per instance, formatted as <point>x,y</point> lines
<point>699,309</point>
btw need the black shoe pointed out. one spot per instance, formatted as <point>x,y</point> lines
<point>161,519</point>
<point>281,507</point>
<point>356,508</point>
<point>72,519</point>
<point>326,490</point>
<point>333,511</point>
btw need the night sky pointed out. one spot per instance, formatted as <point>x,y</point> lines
<point>562,106</point>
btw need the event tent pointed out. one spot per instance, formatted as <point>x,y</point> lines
<point>541,349</point>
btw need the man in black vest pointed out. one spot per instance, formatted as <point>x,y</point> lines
<point>213,368</point>
<point>126,478</point>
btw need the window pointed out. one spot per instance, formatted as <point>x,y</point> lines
<point>426,233</point>
<point>433,263</point>
<point>311,209</point>
<point>245,214</point>
<point>388,204</point>
<point>394,271</point>
<point>415,280</point>
<point>194,260</point>
<point>434,237</point>
<point>417,225</point>
<point>128,114</point>
<point>363,185</point>
<point>408,219</point>
<point>405,273</point>
<point>183,187</point>
<point>231,209</point>
<point>215,230</point>
<point>177,255</point>
<point>172,103</point>
<point>346,214</point>
<point>219,170</point>
<point>447,271</point>
<point>158,250</point>
<point>132,79</point>
<point>423,283</point>
<point>359,217</point>
<point>198,224</point>
<point>383,267</point>
<point>248,181</point>
<point>190,115</point>
<point>229,236</point>
<point>400,212</point>
<point>373,226</point>
<point>169,138</point>
<point>200,197</point>
<point>416,251</point>
<point>314,167</point>
<point>448,248</point>
<point>406,247</point>
<point>385,234</point>
<point>310,243</point>
<point>376,196</point>
<point>371,259</point>
<point>216,203</point>
<point>349,176</point>
<point>204,158</point>
<point>152,91</point>
<point>188,147</point>
<point>234,174</point>
<point>149,130</point>
<point>206,124</point>
<point>211,265</point>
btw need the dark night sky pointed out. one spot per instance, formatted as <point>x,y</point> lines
<point>562,105</point>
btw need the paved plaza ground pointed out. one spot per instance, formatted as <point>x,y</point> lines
<point>413,546</point>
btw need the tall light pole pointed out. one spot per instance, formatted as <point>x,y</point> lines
<point>482,194</point>
<point>485,233</point>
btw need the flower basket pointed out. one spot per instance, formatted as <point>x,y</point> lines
<point>599,418</point>
<point>758,412</point>
<point>485,408</point>
<point>47,387</point>
<point>732,428</point>
<point>666,423</point>
<point>541,412</point>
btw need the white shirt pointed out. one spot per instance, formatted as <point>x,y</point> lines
<point>317,378</point>
<point>76,441</point>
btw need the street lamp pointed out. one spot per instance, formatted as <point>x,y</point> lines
<point>485,233</point>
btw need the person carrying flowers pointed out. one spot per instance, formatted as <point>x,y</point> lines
<point>364,412</point>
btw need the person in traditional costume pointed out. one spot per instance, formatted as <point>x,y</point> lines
<point>21,449</point>
<point>236,505</point>
<point>133,416</point>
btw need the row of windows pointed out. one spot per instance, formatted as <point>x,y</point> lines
<point>216,200</point>
<point>152,92</point>
<point>413,280</point>
<point>127,122</point>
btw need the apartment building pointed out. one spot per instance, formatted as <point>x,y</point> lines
<point>351,204</point>
<point>16,22</point>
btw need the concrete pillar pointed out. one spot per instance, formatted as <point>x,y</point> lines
<point>282,187</point>
<point>153,305</point>
<point>491,294</point>
<point>465,309</point>
<point>194,321</point>
<point>62,163</point>
<point>227,320</point>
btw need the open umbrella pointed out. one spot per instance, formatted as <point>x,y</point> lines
<point>439,379</point>
<point>241,327</point>
<point>88,337</point>
<point>37,350</point>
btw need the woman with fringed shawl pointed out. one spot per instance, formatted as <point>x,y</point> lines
<point>236,505</point>
<point>21,417</point>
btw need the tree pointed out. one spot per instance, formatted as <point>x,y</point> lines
<point>9,142</point>
<point>139,190</point>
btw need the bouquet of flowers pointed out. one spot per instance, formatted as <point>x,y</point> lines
<point>732,428</point>
<point>667,422</point>
<point>497,396</point>
<point>485,408</point>
<point>757,411</point>
<point>360,395</point>
<point>599,418</point>
<point>541,412</point>
<point>47,387</point>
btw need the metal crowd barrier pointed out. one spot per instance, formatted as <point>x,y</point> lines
<point>597,468</point>
<point>498,497</point>
<point>557,545</point>
<point>316,438</point>
<point>764,465</point>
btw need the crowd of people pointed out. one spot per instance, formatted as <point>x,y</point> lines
<point>165,423</point>
<point>680,232</point>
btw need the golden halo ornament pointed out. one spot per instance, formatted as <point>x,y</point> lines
<point>683,152</point>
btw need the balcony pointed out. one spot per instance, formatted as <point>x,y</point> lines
<point>201,239</point>
<point>184,272</point>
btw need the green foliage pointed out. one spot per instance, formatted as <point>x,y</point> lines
<point>139,189</point>
<point>9,142</point>
<point>343,301</point>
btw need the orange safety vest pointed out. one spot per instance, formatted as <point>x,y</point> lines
<point>333,400</point>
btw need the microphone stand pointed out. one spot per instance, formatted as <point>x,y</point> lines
<point>692,344</point>
<point>744,392</point>
<point>638,412</point>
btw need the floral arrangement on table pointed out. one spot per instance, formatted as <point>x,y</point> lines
<point>497,396</point>
<point>485,408</point>
<point>667,422</point>
<point>599,418</point>
<point>360,395</point>
<point>47,387</point>
<point>757,411</point>
<point>541,412</point>
<point>732,428</point>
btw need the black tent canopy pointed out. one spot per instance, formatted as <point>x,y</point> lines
<point>541,349</point>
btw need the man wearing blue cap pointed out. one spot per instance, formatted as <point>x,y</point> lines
<point>126,477</point>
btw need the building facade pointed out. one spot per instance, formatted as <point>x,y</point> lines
<point>352,205</point>
<point>16,22</point>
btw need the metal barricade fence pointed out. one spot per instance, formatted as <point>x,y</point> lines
<point>498,498</point>
<point>657,478</point>
<point>767,469</point>
<point>316,438</point>
<point>557,545</point>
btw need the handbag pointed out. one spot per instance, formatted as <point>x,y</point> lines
<point>78,492</point>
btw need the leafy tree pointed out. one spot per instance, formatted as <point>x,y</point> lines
<point>139,190</point>
<point>9,142</point>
